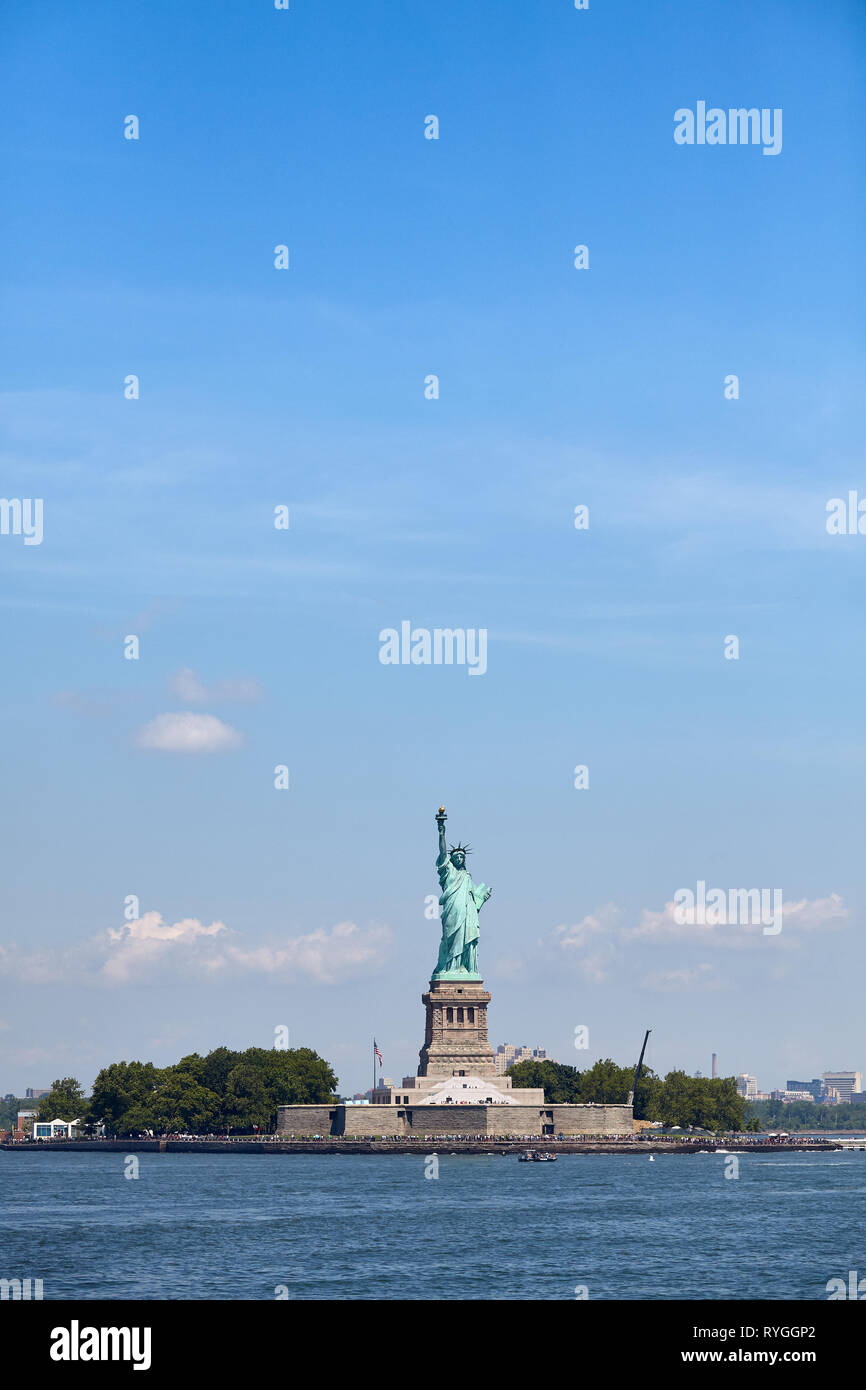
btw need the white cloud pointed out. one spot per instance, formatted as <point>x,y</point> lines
<point>325,955</point>
<point>668,981</point>
<point>150,948</point>
<point>95,705</point>
<point>591,942</point>
<point>816,915</point>
<point>36,1056</point>
<point>190,688</point>
<point>146,942</point>
<point>680,923</point>
<point>581,933</point>
<point>510,967</point>
<point>43,966</point>
<point>188,733</point>
<point>665,925</point>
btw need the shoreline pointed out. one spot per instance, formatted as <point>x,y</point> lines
<point>439,1145</point>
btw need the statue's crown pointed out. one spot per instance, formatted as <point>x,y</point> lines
<point>462,849</point>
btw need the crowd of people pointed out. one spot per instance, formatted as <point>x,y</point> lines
<point>679,1138</point>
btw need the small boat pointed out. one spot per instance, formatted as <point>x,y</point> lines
<point>533,1156</point>
<point>652,1158</point>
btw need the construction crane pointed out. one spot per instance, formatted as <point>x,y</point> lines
<point>630,1100</point>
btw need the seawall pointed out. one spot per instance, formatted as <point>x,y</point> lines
<point>439,1145</point>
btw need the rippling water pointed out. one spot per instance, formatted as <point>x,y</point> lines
<point>238,1226</point>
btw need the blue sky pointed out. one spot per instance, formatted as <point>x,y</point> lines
<point>306,388</point>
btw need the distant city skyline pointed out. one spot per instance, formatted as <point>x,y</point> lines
<point>832,1087</point>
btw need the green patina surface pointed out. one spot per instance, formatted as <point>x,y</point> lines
<point>459,905</point>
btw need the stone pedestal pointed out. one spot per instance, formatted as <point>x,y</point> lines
<point>455,1038</point>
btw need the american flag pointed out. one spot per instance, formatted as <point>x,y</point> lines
<point>377,1052</point>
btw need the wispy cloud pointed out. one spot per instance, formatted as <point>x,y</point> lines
<point>98,705</point>
<point>602,942</point>
<point>188,686</point>
<point>327,955</point>
<point>188,733</point>
<point>680,923</point>
<point>591,942</point>
<point>149,941</point>
<point>150,949</point>
<point>688,978</point>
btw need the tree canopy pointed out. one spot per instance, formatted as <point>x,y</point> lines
<point>9,1110</point>
<point>807,1114</point>
<point>64,1101</point>
<point>679,1099</point>
<point>220,1092</point>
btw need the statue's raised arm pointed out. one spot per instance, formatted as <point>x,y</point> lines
<point>441,818</point>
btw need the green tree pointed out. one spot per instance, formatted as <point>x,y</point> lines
<point>123,1095</point>
<point>708,1102</point>
<point>182,1106</point>
<point>561,1083</point>
<point>65,1101</point>
<point>647,1096</point>
<point>201,1095</point>
<point>264,1078</point>
<point>9,1111</point>
<point>216,1067</point>
<point>604,1083</point>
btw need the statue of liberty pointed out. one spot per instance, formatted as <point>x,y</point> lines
<point>460,903</point>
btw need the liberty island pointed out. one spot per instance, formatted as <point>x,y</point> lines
<point>455,1094</point>
<point>456,1090</point>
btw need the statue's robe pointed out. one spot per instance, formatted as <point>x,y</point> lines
<point>459,904</point>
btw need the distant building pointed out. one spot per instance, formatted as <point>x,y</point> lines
<point>815,1087</point>
<point>384,1086</point>
<point>847,1084</point>
<point>507,1054</point>
<point>25,1119</point>
<point>747,1086</point>
<point>34,1092</point>
<point>789,1097</point>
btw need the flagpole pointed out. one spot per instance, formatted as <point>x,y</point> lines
<point>374,1065</point>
